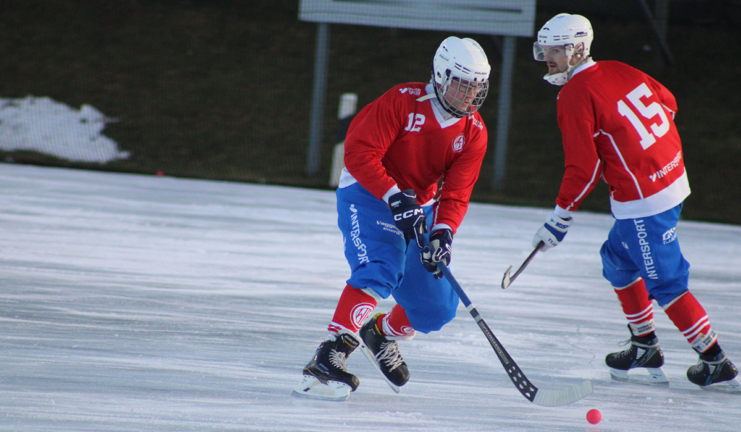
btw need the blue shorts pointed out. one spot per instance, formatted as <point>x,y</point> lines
<point>647,247</point>
<point>380,260</point>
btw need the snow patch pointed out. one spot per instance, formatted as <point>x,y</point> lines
<point>46,126</point>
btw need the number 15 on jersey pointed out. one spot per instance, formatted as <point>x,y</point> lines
<point>648,112</point>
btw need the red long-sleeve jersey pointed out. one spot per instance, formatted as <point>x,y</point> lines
<point>618,124</point>
<point>401,140</point>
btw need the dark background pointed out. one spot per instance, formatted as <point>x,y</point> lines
<point>221,89</point>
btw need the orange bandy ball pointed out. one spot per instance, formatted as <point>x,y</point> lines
<point>594,416</point>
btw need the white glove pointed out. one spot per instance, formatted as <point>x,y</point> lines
<point>552,232</point>
<point>439,250</point>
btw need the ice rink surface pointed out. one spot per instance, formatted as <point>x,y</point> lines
<point>142,303</point>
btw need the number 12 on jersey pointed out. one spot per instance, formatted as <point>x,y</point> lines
<point>648,112</point>
<point>415,122</point>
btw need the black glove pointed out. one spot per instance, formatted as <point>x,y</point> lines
<point>409,217</point>
<point>440,250</point>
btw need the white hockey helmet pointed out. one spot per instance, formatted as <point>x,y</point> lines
<point>567,31</point>
<point>463,64</point>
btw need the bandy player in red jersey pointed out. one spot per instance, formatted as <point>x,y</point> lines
<point>412,157</point>
<point>618,125</point>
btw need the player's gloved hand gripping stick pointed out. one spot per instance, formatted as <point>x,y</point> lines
<point>543,397</point>
<point>409,216</point>
<point>440,250</point>
<point>553,231</point>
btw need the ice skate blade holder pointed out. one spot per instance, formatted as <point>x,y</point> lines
<point>654,376</point>
<point>312,388</point>
<point>732,386</point>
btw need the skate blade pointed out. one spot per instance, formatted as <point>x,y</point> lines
<point>312,388</point>
<point>732,386</point>
<point>654,376</point>
<point>371,358</point>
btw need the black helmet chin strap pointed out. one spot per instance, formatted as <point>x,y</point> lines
<point>441,98</point>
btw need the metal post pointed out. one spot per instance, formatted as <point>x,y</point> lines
<point>661,15</point>
<point>503,118</point>
<point>321,63</point>
<point>657,35</point>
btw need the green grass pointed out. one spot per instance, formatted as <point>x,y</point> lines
<point>224,91</point>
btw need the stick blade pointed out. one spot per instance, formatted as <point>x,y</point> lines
<point>566,396</point>
<point>506,279</point>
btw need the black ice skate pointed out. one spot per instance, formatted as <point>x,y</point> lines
<point>644,352</point>
<point>384,354</point>
<point>326,376</point>
<point>716,371</point>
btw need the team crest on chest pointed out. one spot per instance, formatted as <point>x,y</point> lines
<point>458,143</point>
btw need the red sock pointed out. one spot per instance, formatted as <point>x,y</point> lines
<point>637,307</point>
<point>691,319</point>
<point>396,323</point>
<point>354,307</point>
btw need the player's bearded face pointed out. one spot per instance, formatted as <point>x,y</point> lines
<point>461,93</point>
<point>556,58</point>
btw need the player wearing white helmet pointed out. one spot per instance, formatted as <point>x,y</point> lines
<point>460,73</point>
<point>617,125</point>
<point>563,43</point>
<point>398,149</point>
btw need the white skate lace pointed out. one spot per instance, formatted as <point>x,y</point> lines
<point>711,365</point>
<point>338,359</point>
<point>624,353</point>
<point>389,353</point>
